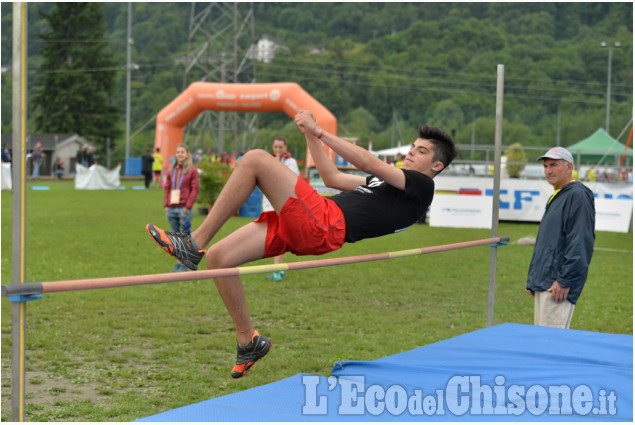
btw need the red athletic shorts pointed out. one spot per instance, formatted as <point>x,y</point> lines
<point>307,225</point>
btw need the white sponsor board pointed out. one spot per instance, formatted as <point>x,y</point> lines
<point>613,215</point>
<point>520,200</point>
<point>525,200</point>
<point>461,211</point>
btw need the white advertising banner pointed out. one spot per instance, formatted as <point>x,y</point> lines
<point>461,211</point>
<point>613,215</point>
<point>525,200</point>
<point>520,200</point>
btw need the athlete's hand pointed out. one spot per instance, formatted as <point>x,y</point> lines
<point>306,122</point>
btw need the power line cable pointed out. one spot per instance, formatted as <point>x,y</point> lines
<point>442,73</point>
<point>454,82</point>
<point>448,90</point>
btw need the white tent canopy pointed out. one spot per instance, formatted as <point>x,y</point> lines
<point>96,177</point>
<point>391,152</point>
<point>6,176</point>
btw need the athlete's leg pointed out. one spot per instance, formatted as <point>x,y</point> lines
<point>244,245</point>
<point>256,168</point>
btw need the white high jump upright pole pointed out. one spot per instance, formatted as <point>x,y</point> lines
<point>498,136</point>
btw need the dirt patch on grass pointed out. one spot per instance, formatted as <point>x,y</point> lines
<point>48,386</point>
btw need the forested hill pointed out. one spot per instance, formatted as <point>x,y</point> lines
<point>385,68</point>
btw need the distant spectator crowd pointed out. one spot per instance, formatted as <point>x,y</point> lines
<point>216,157</point>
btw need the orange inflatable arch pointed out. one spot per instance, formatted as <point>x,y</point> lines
<point>257,97</point>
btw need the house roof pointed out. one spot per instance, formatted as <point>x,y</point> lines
<point>277,41</point>
<point>49,141</point>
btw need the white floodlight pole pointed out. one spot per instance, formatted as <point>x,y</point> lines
<point>608,81</point>
<point>128,70</point>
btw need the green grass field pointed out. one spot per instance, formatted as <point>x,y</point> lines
<point>127,353</point>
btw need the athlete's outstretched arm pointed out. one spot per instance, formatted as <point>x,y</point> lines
<point>331,176</point>
<point>359,157</point>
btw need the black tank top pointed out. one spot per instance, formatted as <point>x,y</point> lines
<point>378,208</point>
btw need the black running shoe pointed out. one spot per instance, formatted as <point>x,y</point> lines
<point>250,354</point>
<point>180,245</point>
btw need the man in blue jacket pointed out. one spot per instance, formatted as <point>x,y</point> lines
<point>564,245</point>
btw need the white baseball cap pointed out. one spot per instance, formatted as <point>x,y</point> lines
<point>558,153</point>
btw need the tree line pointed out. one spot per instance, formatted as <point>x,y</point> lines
<point>384,68</point>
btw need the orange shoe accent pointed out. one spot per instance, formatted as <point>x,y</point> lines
<point>239,368</point>
<point>248,355</point>
<point>243,368</point>
<point>164,238</point>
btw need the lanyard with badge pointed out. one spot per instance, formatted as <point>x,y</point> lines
<point>175,194</point>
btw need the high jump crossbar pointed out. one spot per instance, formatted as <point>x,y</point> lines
<point>36,288</point>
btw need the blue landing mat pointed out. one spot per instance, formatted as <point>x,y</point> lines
<point>507,372</point>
